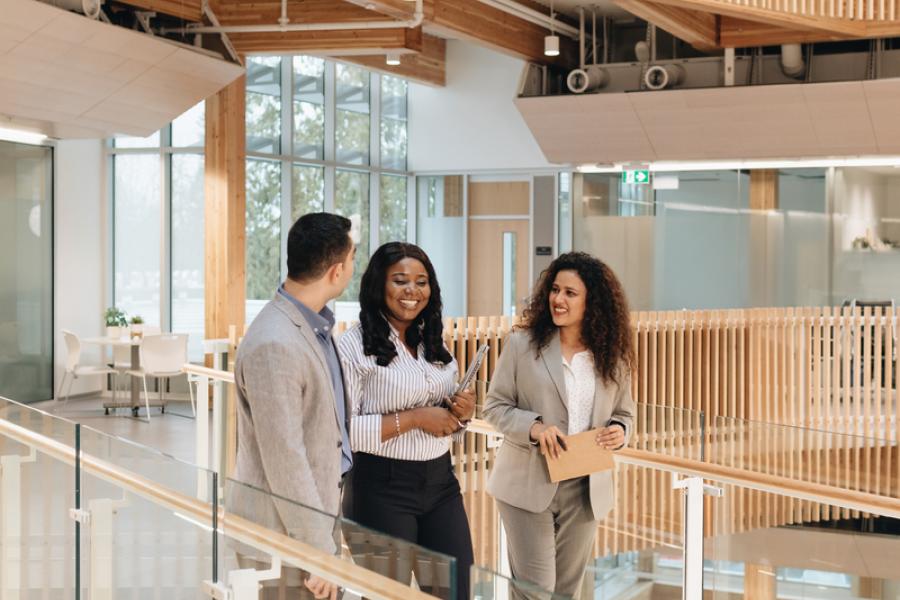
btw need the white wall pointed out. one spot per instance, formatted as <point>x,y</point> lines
<point>471,124</point>
<point>79,251</point>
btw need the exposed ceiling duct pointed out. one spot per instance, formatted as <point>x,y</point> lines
<point>792,62</point>
<point>90,8</point>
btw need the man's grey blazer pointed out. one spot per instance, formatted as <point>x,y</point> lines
<point>527,386</point>
<point>289,433</point>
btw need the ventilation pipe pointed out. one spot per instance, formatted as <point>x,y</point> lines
<point>586,78</point>
<point>792,63</point>
<point>589,79</point>
<point>660,77</point>
<point>90,8</point>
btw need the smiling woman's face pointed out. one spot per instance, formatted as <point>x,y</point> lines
<point>406,290</point>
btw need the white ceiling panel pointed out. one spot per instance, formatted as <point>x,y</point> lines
<point>841,118</point>
<point>29,16</point>
<point>76,77</point>
<point>777,121</point>
<point>883,101</point>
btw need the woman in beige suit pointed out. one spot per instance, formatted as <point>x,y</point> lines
<point>565,370</point>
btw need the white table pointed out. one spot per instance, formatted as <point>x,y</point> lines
<point>134,403</point>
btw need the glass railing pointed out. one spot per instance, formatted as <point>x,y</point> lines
<point>150,527</point>
<point>85,514</point>
<point>767,544</point>
<point>37,490</point>
<point>844,460</point>
<point>341,539</point>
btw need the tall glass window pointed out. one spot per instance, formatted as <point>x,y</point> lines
<point>393,122</point>
<point>189,129</point>
<point>263,250</point>
<point>392,210</point>
<point>351,199</point>
<point>158,233</point>
<point>328,158</point>
<point>26,272</point>
<point>309,107</point>
<point>188,250</point>
<point>352,116</point>
<point>264,104</point>
<point>308,193</point>
<point>137,211</point>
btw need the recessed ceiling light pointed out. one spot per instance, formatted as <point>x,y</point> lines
<point>393,59</point>
<point>20,135</point>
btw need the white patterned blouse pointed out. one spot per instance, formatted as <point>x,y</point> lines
<point>407,382</point>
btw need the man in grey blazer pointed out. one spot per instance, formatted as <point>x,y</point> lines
<point>292,414</point>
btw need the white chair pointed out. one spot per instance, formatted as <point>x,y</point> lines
<point>162,357</point>
<point>121,355</point>
<point>74,369</point>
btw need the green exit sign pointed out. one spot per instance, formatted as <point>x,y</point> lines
<point>636,176</point>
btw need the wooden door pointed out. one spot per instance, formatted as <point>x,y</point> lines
<point>495,209</point>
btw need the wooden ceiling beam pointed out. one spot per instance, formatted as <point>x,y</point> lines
<point>189,10</point>
<point>484,25</point>
<point>487,26</point>
<point>740,33</point>
<point>699,29</point>
<point>428,66</point>
<point>334,42</point>
<point>845,27</point>
<point>267,12</point>
<point>397,9</point>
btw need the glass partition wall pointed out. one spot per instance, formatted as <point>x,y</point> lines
<point>705,239</point>
<point>26,271</point>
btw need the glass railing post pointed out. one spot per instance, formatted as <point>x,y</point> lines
<point>77,511</point>
<point>694,492</point>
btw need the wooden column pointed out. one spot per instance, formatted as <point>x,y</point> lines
<point>225,229</point>
<point>870,587</point>
<point>224,186</point>
<point>761,272</point>
<point>759,582</point>
<point>764,189</point>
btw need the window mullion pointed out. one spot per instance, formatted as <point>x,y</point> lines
<point>330,120</point>
<point>165,266</point>
<point>287,145</point>
<point>374,161</point>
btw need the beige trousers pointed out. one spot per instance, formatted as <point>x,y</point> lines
<point>551,549</point>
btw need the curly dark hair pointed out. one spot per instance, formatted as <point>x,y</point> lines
<point>428,326</point>
<point>606,328</point>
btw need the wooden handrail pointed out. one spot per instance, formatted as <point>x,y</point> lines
<point>871,503</point>
<point>825,494</point>
<point>215,374</point>
<point>291,551</point>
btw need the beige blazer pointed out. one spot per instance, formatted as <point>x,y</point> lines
<point>526,387</point>
<point>289,436</point>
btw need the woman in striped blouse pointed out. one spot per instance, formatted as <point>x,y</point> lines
<point>400,380</point>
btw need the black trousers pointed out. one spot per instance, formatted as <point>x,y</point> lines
<point>415,501</point>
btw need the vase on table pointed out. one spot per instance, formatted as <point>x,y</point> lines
<point>113,332</point>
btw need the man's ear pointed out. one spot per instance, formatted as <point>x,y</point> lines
<point>334,272</point>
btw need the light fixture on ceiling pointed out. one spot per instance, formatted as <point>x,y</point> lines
<point>11,134</point>
<point>551,42</point>
<point>392,58</point>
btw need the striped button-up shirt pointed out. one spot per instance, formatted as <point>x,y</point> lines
<point>407,382</point>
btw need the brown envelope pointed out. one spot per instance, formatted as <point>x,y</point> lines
<point>582,458</point>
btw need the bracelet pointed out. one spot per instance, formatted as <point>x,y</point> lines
<point>397,422</point>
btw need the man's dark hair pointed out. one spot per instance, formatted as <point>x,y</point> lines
<point>315,242</point>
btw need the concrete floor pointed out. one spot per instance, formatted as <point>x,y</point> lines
<point>172,433</point>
